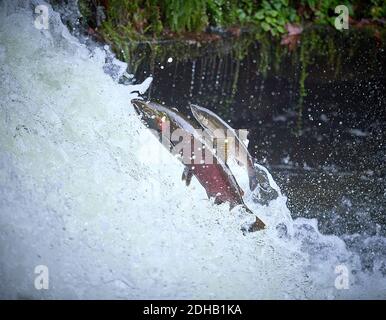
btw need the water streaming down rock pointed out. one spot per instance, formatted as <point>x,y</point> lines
<point>81,194</point>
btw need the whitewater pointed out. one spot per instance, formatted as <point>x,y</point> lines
<point>87,191</point>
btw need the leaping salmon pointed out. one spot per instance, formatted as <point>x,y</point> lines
<point>215,176</point>
<point>215,127</point>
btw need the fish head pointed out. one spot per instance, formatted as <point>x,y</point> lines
<point>211,122</point>
<point>155,118</point>
<point>201,115</point>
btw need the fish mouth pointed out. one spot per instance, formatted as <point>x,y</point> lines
<point>145,110</point>
<point>152,116</point>
<point>141,107</point>
<point>149,116</point>
<point>195,107</point>
<point>197,112</point>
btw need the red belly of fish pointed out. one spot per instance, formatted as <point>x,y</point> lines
<point>216,183</point>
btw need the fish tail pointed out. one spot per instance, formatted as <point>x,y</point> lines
<point>257,225</point>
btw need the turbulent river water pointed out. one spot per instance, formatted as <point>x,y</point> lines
<point>86,191</point>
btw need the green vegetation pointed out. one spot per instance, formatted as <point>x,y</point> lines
<point>155,18</point>
<point>117,21</point>
<point>139,31</point>
<point>273,15</point>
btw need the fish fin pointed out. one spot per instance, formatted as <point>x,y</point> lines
<point>257,225</point>
<point>231,205</point>
<point>217,200</point>
<point>187,175</point>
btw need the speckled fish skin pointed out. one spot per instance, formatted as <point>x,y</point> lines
<point>257,178</point>
<point>215,177</point>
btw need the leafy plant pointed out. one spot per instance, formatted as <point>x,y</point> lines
<point>377,8</point>
<point>183,15</point>
<point>273,15</point>
<point>140,19</point>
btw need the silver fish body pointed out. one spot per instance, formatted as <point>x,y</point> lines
<point>216,177</point>
<point>258,179</point>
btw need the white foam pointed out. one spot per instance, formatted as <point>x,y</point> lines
<point>142,87</point>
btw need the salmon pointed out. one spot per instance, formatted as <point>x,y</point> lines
<point>215,126</point>
<point>215,176</point>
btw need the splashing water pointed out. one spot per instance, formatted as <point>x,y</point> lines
<point>86,191</point>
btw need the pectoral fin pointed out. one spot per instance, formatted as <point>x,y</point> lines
<point>187,175</point>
